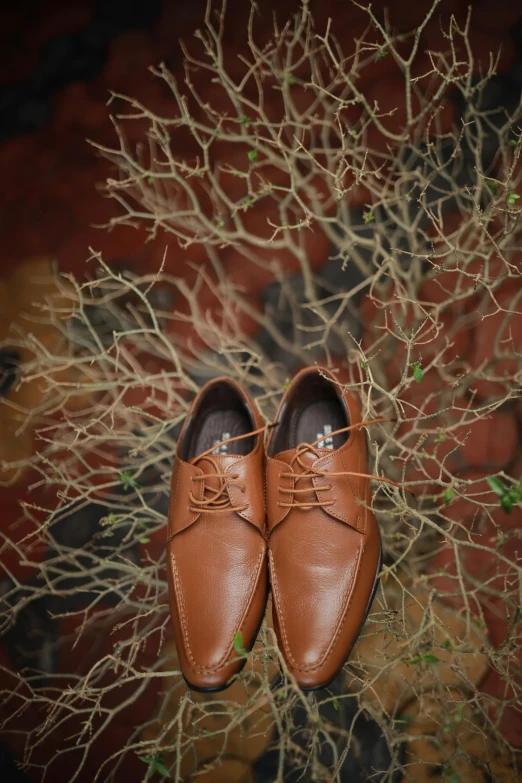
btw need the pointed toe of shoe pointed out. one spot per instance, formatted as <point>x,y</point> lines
<point>317,626</point>
<point>210,681</point>
<point>209,606</point>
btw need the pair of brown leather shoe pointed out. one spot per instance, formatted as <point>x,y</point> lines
<point>298,509</point>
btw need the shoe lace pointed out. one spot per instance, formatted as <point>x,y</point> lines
<point>215,497</point>
<point>309,472</point>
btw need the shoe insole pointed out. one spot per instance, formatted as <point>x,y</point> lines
<point>318,420</point>
<point>218,425</point>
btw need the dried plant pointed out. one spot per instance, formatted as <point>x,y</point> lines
<point>423,225</point>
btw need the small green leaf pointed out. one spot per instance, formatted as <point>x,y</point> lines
<point>449,494</point>
<point>512,198</point>
<point>507,503</point>
<point>423,659</point>
<point>220,223</point>
<point>155,763</point>
<point>286,385</point>
<point>128,481</point>
<point>496,485</point>
<point>151,180</point>
<point>162,769</point>
<point>336,705</point>
<point>382,53</point>
<point>514,142</point>
<point>492,186</point>
<point>418,373</point>
<point>363,365</point>
<point>144,540</point>
<point>509,496</point>
<point>245,120</point>
<point>447,644</point>
<point>252,155</point>
<point>368,216</point>
<point>354,133</point>
<point>238,644</point>
<point>291,80</point>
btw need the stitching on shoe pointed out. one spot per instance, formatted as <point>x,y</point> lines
<point>357,520</point>
<point>282,513</point>
<point>182,467</point>
<point>183,616</point>
<point>173,494</point>
<point>171,529</point>
<point>363,481</point>
<point>339,515</point>
<point>347,599</point>
<point>251,464</point>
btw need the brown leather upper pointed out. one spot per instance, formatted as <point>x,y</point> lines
<point>324,558</point>
<point>217,564</point>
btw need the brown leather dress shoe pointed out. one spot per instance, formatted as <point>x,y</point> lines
<point>216,549</point>
<point>324,543</point>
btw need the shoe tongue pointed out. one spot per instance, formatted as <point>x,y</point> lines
<point>307,458</point>
<point>215,463</point>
